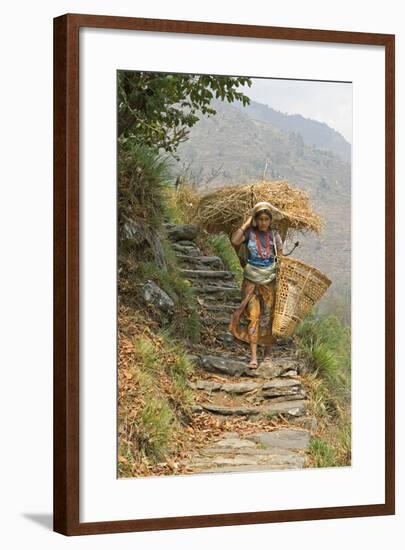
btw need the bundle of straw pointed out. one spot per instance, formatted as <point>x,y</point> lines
<point>224,210</point>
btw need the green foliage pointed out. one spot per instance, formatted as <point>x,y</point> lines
<point>186,321</point>
<point>323,453</point>
<point>187,326</point>
<point>319,395</point>
<point>222,247</point>
<point>156,424</point>
<point>174,213</point>
<point>182,366</point>
<point>179,370</point>
<point>324,360</point>
<point>154,358</point>
<point>166,280</point>
<point>149,355</point>
<point>142,208</point>
<point>142,177</point>
<point>327,344</point>
<point>345,440</point>
<point>162,371</point>
<point>270,415</point>
<point>156,109</point>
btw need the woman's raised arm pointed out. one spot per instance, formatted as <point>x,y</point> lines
<point>238,236</point>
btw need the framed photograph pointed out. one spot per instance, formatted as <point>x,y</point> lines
<point>224,274</point>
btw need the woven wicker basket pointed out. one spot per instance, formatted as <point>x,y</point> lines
<point>299,287</point>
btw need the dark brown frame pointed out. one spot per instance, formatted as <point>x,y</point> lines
<point>66,273</point>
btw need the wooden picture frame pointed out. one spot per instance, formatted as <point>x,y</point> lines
<point>67,283</point>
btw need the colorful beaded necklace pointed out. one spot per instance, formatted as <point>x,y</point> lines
<point>259,248</point>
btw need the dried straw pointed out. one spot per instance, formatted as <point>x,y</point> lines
<point>224,210</point>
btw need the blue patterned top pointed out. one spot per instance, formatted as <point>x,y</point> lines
<point>254,257</point>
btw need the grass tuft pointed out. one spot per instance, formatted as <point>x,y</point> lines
<point>156,423</point>
<point>326,346</point>
<point>222,247</point>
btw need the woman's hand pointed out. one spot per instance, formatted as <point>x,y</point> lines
<point>247,223</point>
<point>238,236</point>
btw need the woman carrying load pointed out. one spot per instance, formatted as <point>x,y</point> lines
<point>259,280</point>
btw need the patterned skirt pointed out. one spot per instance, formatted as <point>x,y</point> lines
<point>257,307</point>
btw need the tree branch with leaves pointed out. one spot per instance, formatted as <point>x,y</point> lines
<point>157,109</point>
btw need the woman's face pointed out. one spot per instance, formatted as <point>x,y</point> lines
<point>263,221</point>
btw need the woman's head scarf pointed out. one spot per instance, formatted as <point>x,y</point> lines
<point>262,206</point>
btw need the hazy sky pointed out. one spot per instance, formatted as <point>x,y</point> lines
<point>329,102</point>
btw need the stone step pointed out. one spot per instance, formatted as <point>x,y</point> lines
<point>286,438</point>
<point>277,449</point>
<point>288,408</point>
<point>219,282</point>
<point>208,290</point>
<point>282,366</point>
<point>197,351</point>
<point>188,250</point>
<point>181,232</point>
<point>234,345</point>
<point>220,285</point>
<point>228,299</point>
<point>283,387</point>
<point>231,366</point>
<point>279,367</point>
<point>272,460</point>
<point>186,243</point>
<point>276,389</point>
<point>227,339</point>
<point>213,262</point>
<point>219,364</point>
<point>220,308</point>
<point>228,387</point>
<point>214,321</point>
<point>208,274</point>
<point>294,463</point>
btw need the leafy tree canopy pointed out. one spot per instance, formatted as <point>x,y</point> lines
<point>156,109</point>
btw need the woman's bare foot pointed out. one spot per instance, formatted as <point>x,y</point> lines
<point>253,364</point>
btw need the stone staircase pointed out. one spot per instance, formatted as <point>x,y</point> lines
<point>226,387</point>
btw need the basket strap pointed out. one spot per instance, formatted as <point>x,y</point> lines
<point>274,242</point>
